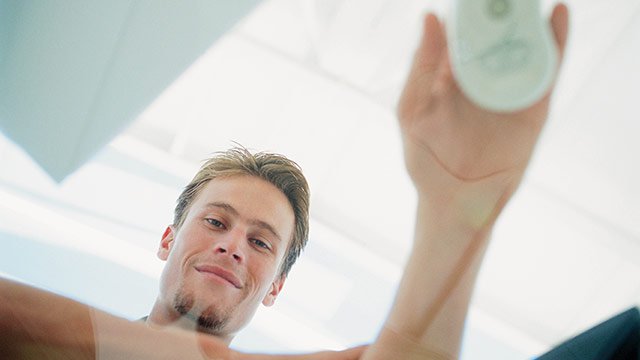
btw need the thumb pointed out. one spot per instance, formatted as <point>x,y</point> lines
<point>424,70</point>
<point>432,45</point>
<point>560,27</point>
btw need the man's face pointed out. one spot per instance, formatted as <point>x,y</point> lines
<point>224,260</point>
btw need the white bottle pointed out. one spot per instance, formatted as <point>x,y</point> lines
<point>502,52</point>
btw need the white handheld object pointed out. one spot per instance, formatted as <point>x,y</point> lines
<point>502,52</point>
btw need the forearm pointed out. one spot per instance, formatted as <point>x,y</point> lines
<point>451,237</point>
<point>35,324</point>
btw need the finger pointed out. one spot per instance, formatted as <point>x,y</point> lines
<point>444,79</point>
<point>560,27</point>
<point>432,45</point>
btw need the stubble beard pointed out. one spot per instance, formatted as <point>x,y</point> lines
<point>210,320</point>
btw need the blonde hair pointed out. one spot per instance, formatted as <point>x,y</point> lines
<point>283,173</point>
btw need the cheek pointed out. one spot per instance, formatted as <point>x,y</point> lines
<point>188,242</point>
<point>177,263</point>
<point>172,268</point>
<point>263,271</point>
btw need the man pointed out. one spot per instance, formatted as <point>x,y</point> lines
<point>226,251</point>
<point>238,228</point>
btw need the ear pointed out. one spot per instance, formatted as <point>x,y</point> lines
<point>166,244</point>
<point>276,287</point>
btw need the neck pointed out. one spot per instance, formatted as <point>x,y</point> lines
<point>163,315</point>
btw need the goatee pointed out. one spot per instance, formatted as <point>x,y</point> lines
<point>209,320</point>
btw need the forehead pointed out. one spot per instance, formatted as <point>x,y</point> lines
<point>253,199</point>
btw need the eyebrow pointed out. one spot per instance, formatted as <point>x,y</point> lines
<point>256,222</point>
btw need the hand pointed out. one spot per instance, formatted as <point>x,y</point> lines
<point>450,143</point>
<point>349,354</point>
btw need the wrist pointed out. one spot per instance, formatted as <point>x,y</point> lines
<point>468,206</point>
<point>392,344</point>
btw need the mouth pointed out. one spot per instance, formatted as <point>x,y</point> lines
<point>221,273</point>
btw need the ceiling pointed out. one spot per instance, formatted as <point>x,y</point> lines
<point>317,81</point>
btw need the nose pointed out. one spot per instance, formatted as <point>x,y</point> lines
<point>230,245</point>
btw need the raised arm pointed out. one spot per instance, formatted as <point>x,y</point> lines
<point>465,163</point>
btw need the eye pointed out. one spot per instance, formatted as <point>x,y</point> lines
<point>260,243</point>
<point>216,223</point>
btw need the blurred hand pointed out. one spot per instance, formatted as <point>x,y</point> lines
<point>451,143</point>
<point>349,354</point>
